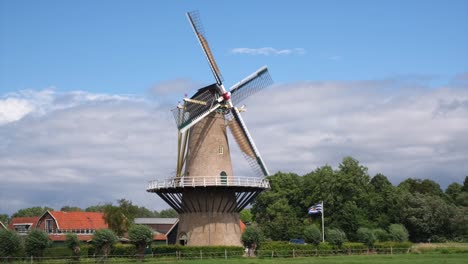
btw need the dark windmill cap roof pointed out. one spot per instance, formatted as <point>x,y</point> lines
<point>212,88</point>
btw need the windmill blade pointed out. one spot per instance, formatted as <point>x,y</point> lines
<point>244,140</point>
<point>251,85</point>
<point>202,103</point>
<point>194,18</point>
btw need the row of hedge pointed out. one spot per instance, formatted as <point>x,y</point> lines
<point>213,251</point>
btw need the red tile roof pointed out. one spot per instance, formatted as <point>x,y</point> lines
<point>159,236</point>
<point>62,237</point>
<point>242,226</point>
<point>23,220</point>
<point>79,220</point>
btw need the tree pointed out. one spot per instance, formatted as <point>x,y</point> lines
<point>10,244</point>
<point>426,216</point>
<point>366,236</point>
<point>335,237</point>
<point>36,242</point>
<point>32,211</point>
<point>252,238</point>
<point>141,236</point>
<point>168,213</point>
<point>116,219</point>
<point>246,216</point>
<point>72,242</point>
<point>97,208</point>
<point>4,219</point>
<point>465,184</point>
<point>312,234</point>
<point>398,233</point>
<point>103,240</point>
<point>70,209</point>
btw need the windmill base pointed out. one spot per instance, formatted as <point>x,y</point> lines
<point>209,229</point>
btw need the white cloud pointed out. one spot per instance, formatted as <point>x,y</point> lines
<point>267,51</point>
<point>81,149</point>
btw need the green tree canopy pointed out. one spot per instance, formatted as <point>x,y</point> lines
<point>10,243</point>
<point>103,241</point>
<point>36,242</point>
<point>32,211</point>
<point>398,233</point>
<point>252,237</point>
<point>366,236</point>
<point>141,236</point>
<point>168,213</point>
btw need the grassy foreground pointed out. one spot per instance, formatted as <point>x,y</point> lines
<point>378,259</point>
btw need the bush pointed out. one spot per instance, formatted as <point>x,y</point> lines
<point>10,243</point>
<point>335,237</point>
<point>208,251</point>
<point>381,235</point>
<point>252,237</point>
<point>141,236</point>
<point>123,250</point>
<point>398,233</point>
<point>103,240</point>
<point>36,242</point>
<point>366,236</point>
<point>312,235</point>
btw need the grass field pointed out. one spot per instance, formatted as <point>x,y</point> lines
<point>435,258</point>
<point>379,259</point>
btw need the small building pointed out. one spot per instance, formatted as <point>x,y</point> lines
<point>165,229</point>
<point>23,225</point>
<point>57,224</point>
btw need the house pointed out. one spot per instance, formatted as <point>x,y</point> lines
<point>2,226</point>
<point>165,229</point>
<point>23,225</point>
<point>56,224</point>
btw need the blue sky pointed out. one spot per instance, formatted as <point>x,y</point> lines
<point>128,47</point>
<point>86,88</point>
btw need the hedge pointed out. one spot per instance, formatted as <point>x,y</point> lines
<point>192,251</point>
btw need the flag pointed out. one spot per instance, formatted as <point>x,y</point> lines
<point>315,209</point>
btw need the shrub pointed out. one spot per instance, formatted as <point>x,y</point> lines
<point>73,243</point>
<point>252,237</point>
<point>312,235</point>
<point>398,233</point>
<point>141,236</point>
<point>10,243</point>
<point>335,237</point>
<point>36,242</point>
<point>103,240</point>
<point>366,236</point>
<point>381,235</point>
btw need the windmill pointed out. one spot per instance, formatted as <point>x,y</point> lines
<point>204,191</point>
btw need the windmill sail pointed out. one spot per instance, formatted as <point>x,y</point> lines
<point>246,144</point>
<point>194,18</point>
<point>251,85</point>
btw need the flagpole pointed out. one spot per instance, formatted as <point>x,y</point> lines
<point>323,225</point>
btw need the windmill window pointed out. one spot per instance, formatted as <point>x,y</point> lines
<point>220,150</point>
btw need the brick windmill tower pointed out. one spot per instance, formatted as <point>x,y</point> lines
<point>205,192</point>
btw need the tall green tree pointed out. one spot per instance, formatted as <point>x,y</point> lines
<point>4,218</point>
<point>426,216</point>
<point>116,219</point>
<point>32,211</point>
<point>68,208</point>
<point>168,213</point>
<point>246,216</point>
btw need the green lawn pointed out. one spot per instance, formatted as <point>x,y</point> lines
<point>371,259</point>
